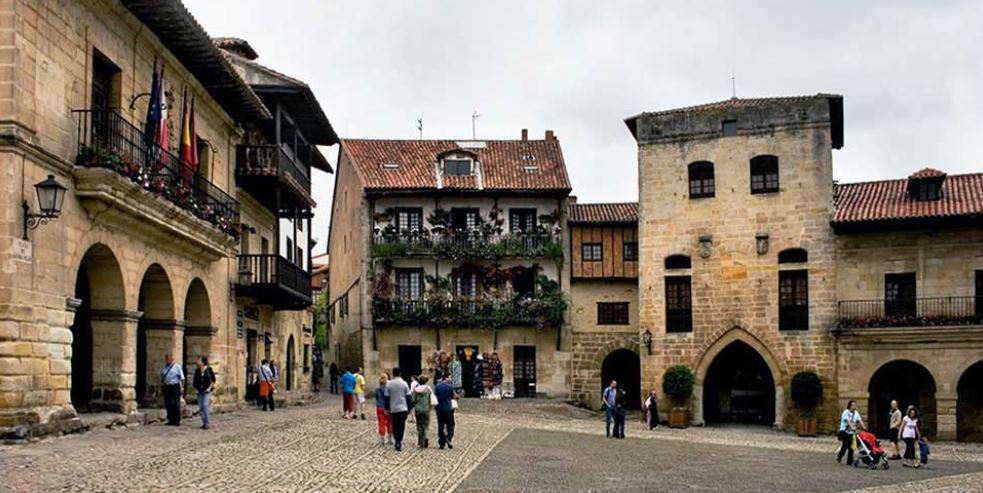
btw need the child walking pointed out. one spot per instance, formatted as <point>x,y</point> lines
<point>422,397</point>
<point>381,413</point>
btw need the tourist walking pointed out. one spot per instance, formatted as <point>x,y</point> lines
<point>422,402</point>
<point>333,378</point>
<point>398,396</point>
<point>457,374</point>
<point>317,375</point>
<point>446,401</point>
<point>619,414</point>
<point>360,392</point>
<point>609,399</point>
<point>651,407</point>
<point>348,394</point>
<point>850,422</point>
<point>382,415</point>
<point>266,386</point>
<point>204,382</point>
<point>911,435</point>
<point>172,381</point>
<point>894,432</point>
<point>477,375</point>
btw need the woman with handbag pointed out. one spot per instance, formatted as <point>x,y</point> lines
<point>423,400</point>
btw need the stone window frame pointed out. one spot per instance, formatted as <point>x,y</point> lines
<point>701,180</point>
<point>765,174</point>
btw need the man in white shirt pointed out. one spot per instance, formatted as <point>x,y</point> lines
<point>398,397</point>
<point>172,381</point>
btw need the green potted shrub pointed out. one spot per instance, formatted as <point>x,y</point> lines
<point>677,384</point>
<point>807,391</point>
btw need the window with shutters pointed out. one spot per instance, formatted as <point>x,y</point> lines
<point>793,300</point>
<point>409,284</point>
<point>612,313</point>
<point>701,181</point>
<point>591,252</point>
<point>679,309</point>
<point>764,174</point>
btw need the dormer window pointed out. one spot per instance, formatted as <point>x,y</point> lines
<point>926,185</point>
<point>457,167</point>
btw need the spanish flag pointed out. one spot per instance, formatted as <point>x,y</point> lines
<point>189,141</point>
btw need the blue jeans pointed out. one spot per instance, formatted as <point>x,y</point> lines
<point>204,399</point>
<point>608,418</point>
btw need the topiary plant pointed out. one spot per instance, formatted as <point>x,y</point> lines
<point>677,382</point>
<point>807,391</point>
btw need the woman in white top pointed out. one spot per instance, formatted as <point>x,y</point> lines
<point>910,434</point>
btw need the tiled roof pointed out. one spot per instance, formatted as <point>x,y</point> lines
<point>926,173</point>
<point>534,165</point>
<point>740,103</point>
<point>962,195</point>
<point>622,212</point>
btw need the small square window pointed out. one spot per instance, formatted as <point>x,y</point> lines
<point>729,128</point>
<point>630,251</point>
<point>591,252</point>
<point>612,314</point>
<point>457,167</point>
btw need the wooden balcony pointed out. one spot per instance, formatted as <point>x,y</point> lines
<point>275,178</point>
<point>275,281</point>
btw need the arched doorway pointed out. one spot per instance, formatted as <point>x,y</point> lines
<point>156,333</point>
<point>198,330</point>
<point>739,387</point>
<point>969,407</point>
<point>624,367</point>
<point>290,363</point>
<point>99,288</point>
<point>907,382</point>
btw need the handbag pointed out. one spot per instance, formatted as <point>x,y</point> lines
<point>453,404</point>
<point>433,400</point>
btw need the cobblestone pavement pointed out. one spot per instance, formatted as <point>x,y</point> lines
<point>313,449</point>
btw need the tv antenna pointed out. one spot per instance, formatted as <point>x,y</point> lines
<point>733,85</point>
<point>474,119</point>
<point>419,126</point>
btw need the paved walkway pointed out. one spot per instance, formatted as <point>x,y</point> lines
<point>313,449</point>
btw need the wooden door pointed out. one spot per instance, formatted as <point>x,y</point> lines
<point>524,370</point>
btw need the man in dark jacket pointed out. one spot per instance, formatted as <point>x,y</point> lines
<point>445,412</point>
<point>333,376</point>
<point>204,383</point>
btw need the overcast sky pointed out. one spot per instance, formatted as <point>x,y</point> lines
<point>910,71</point>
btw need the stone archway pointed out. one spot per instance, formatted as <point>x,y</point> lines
<point>739,388</point>
<point>969,406</point>
<point>763,362</point>
<point>625,367</point>
<point>158,334</point>
<point>908,382</point>
<point>198,327</point>
<point>100,334</point>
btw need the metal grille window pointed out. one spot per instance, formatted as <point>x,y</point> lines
<point>466,285</point>
<point>630,251</point>
<point>612,313</point>
<point>679,308</point>
<point>522,220</point>
<point>409,219</point>
<point>457,167</point>
<point>764,174</point>
<point>591,252</point>
<point>701,181</point>
<point>793,300</point>
<point>409,284</point>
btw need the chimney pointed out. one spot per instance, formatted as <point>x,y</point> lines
<point>549,135</point>
<point>525,134</point>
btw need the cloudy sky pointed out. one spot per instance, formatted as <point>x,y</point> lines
<point>911,72</point>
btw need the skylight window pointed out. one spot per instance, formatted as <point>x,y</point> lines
<point>390,165</point>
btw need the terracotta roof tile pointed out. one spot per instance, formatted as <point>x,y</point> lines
<point>623,212</point>
<point>926,173</point>
<point>962,195</point>
<point>504,164</point>
<point>740,103</point>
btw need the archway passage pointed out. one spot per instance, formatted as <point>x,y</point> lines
<point>969,408</point>
<point>290,363</point>
<point>624,367</point>
<point>99,288</point>
<point>907,382</point>
<point>198,331</point>
<point>739,387</point>
<point>156,334</point>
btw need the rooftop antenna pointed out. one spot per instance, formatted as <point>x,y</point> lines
<point>474,118</point>
<point>733,85</point>
<point>419,126</point>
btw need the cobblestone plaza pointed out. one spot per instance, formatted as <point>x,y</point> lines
<point>501,446</point>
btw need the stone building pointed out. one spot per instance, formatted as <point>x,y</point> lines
<point>453,246</point>
<point>142,259</point>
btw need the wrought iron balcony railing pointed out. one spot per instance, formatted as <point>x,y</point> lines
<point>534,311</point>
<point>107,140</point>
<point>273,280</point>
<point>915,312</point>
<point>467,245</point>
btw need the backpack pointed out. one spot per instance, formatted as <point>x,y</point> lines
<point>422,401</point>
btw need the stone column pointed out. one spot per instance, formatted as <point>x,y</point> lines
<point>697,406</point>
<point>945,416</point>
<point>779,407</point>
<point>199,342</point>
<point>163,337</point>
<point>114,341</point>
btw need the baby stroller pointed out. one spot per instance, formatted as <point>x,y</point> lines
<point>869,452</point>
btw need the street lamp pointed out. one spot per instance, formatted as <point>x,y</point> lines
<point>647,339</point>
<point>51,196</point>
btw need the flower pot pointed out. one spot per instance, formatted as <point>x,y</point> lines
<point>678,418</point>
<point>807,427</point>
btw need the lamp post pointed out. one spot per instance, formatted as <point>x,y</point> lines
<point>647,339</point>
<point>51,196</point>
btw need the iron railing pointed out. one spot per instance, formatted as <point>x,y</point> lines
<point>467,244</point>
<point>270,160</point>
<point>482,313</point>
<point>107,140</point>
<point>266,269</point>
<point>920,312</point>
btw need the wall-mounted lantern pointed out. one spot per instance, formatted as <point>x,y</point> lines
<point>761,243</point>
<point>647,340</point>
<point>706,245</point>
<point>51,196</point>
